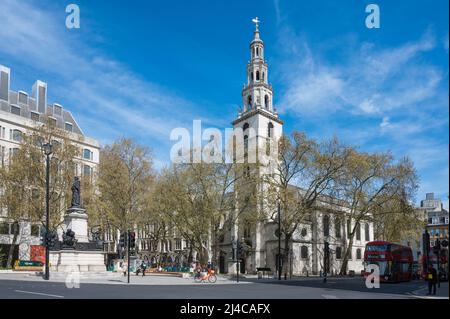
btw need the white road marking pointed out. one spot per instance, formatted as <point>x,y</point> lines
<point>38,293</point>
<point>330,297</point>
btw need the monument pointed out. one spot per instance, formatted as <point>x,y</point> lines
<point>76,253</point>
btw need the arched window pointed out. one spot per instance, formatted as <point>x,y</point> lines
<point>269,129</point>
<point>245,127</point>
<point>266,101</point>
<point>16,135</point>
<point>367,232</point>
<point>245,144</point>
<point>263,77</point>
<point>87,154</point>
<point>257,75</point>
<point>304,252</point>
<point>337,227</point>
<point>358,231</point>
<point>338,252</point>
<point>358,253</point>
<point>326,225</point>
<point>249,102</point>
<point>251,77</point>
<point>257,51</point>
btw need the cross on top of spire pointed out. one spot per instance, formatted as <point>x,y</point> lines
<point>256,21</point>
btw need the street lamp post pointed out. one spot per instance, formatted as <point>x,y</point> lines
<point>279,241</point>
<point>47,149</point>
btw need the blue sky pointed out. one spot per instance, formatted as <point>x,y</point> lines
<point>142,68</point>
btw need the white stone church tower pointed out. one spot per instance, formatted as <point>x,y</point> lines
<point>260,123</point>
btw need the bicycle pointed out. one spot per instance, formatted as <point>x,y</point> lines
<point>209,276</point>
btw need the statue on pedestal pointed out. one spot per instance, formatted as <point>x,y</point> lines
<point>76,198</point>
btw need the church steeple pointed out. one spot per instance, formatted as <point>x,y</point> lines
<point>257,93</point>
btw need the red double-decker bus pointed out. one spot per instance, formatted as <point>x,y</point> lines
<point>394,261</point>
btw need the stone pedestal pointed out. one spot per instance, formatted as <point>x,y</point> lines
<point>77,261</point>
<point>76,219</point>
<point>84,257</point>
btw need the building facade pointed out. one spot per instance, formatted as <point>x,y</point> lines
<point>437,218</point>
<point>19,114</point>
<point>258,115</point>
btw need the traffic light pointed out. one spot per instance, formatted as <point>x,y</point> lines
<point>122,240</point>
<point>239,250</point>
<point>132,239</point>
<point>426,243</point>
<point>437,247</point>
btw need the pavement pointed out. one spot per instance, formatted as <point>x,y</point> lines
<point>25,286</point>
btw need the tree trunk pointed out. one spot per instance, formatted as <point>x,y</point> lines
<point>9,261</point>
<point>343,270</point>
<point>287,239</point>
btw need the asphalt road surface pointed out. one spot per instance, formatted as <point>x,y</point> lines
<point>335,288</point>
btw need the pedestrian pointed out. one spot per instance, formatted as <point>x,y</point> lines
<point>124,268</point>
<point>143,268</point>
<point>432,279</point>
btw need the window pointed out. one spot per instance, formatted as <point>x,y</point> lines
<point>338,252</point>
<point>251,77</point>
<point>358,231</point>
<point>304,232</point>
<point>4,229</point>
<point>178,244</point>
<point>245,145</point>
<point>257,51</point>
<point>23,98</point>
<point>16,135</point>
<point>2,132</point>
<point>87,154</point>
<point>263,77</point>
<point>304,252</point>
<point>52,121</point>
<point>249,101</point>
<point>367,232</point>
<point>13,152</point>
<point>257,75</point>
<point>2,155</point>
<point>269,129</point>
<point>35,230</point>
<point>68,127</point>
<point>266,101</point>
<point>15,110</point>
<point>350,255</point>
<point>358,253</point>
<point>34,116</point>
<point>57,109</point>
<point>337,227</point>
<point>87,170</point>
<point>326,225</point>
<point>246,126</point>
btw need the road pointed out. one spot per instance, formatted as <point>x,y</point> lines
<point>335,288</point>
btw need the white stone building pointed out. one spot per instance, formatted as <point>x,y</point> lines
<point>307,246</point>
<point>19,113</point>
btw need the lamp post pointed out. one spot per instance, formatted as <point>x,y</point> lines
<point>47,149</point>
<point>279,241</point>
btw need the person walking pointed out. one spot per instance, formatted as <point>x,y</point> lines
<point>432,280</point>
<point>143,268</point>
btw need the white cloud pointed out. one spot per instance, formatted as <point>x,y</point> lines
<point>369,82</point>
<point>385,122</point>
<point>92,85</point>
